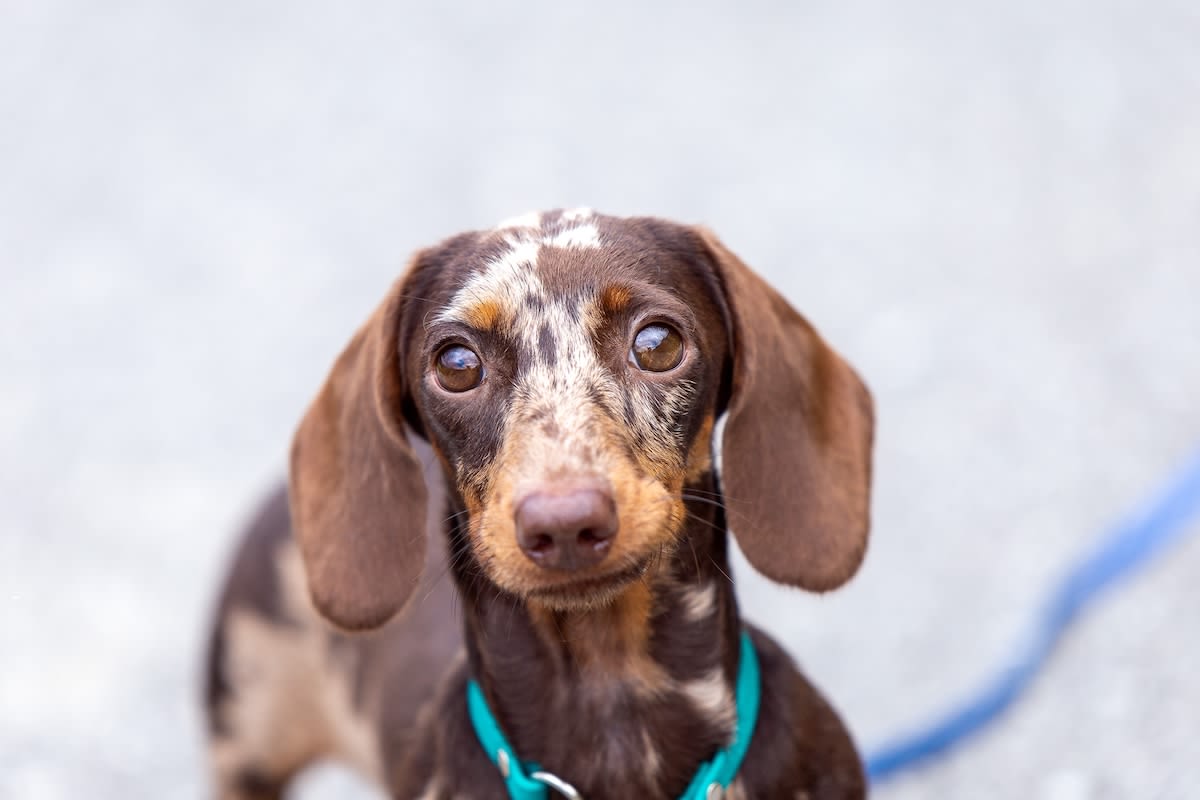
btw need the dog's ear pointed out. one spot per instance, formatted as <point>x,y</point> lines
<point>357,490</point>
<point>796,449</point>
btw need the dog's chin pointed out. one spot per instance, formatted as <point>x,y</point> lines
<point>586,592</point>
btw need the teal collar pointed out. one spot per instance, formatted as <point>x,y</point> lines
<point>527,781</point>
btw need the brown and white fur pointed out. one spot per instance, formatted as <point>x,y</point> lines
<point>389,571</point>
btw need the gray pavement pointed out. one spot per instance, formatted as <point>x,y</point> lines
<point>992,209</point>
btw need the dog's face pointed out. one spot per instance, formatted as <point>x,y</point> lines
<point>568,368</point>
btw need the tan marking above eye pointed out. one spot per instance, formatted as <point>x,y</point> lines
<point>657,348</point>
<point>484,315</point>
<point>615,298</point>
<point>459,368</point>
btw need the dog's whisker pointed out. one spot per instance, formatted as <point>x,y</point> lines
<point>729,512</point>
<point>696,560</point>
<point>720,570</point>
<point>703,521</point>
<point>705,500</point>
<point>453,562</point>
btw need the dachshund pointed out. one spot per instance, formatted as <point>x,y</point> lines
<point>521,476</point>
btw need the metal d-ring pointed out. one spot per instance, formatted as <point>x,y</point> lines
<point>557,784</point>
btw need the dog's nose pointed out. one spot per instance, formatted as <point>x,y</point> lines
<point>567,530</point>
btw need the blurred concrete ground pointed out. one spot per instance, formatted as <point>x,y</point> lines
<point>992,209</point>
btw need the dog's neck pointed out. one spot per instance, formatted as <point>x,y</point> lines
<point>627,699</point>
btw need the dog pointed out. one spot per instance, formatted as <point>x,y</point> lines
<point>518,481</point>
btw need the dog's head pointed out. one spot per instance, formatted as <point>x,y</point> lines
<point>569,369</point>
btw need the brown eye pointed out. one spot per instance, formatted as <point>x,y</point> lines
<point>657,348</point>
<point>459,369</point>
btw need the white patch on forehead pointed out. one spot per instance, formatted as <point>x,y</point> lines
<point>506,279</point>
<point>510,277</point>
<point>531,219</point>
<point>583,233</point>
<point>587,235</point>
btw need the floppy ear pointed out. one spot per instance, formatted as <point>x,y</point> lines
<point>796,451</point>
<point>356,487</point>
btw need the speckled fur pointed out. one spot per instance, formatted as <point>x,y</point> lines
<point>618,678</point>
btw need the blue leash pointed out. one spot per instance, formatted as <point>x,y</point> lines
<point>1129,546</point>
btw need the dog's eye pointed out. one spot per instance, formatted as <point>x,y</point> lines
<point>459,368</point>
<point>657,348</point>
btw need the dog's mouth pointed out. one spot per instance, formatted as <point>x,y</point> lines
<point>587,590</point>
